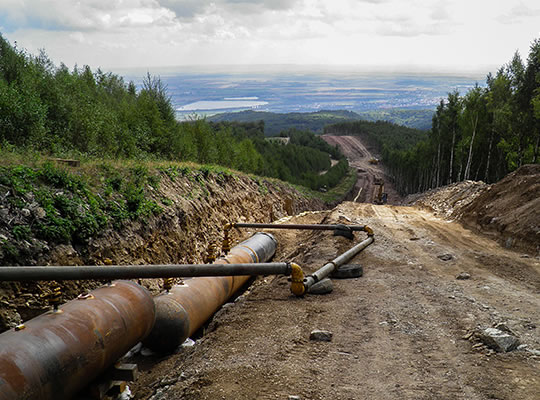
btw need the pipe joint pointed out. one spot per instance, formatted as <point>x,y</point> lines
<point>297,280</point>
<point>368,230</point>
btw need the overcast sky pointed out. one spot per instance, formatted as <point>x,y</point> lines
<point>426,34</point>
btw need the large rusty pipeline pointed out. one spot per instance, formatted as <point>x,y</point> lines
<point>110,272</point>
<point>185,308</point>
<point>55,355</point>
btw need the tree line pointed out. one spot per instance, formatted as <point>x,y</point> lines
<point>83,113</point>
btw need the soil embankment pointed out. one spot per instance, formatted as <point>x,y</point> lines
<point>507,211</point>
<point>359,156</point>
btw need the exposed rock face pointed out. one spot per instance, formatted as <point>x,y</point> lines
<point>181,233</point>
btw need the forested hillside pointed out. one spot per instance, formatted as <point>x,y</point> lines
<point>417,119</point>
<point>383,135</point>
<point>276,122</point>
<point>81,113</point>
<point>316,121</point>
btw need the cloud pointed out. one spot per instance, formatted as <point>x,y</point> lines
<point>169,32</point>
<point>518,13</point>
<point>188,9</point>
<point>88,15</point>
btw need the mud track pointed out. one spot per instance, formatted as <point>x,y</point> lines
<point>402,331</point>
<point>358,156</point>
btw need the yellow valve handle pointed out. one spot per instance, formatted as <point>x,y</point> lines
<point>297,280</point>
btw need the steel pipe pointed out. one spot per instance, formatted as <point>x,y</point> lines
<point>110,272</point>
<point>185,308</point>
<point>56,354</point>
<point>320,227</point>
<point>329,267</point>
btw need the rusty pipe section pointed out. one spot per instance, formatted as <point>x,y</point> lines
<point>56,354</point>
<point>329,267</point>
<point>110,272</point>
<point>186,307</point>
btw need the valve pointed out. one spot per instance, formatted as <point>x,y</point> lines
<point>297,280</point>
<point>226,245</point>
<point>168,284</point>
<point>55,297</point>
<point>210,254</point>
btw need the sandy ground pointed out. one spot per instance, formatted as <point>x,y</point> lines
<point>405,330</point>
<point>359,155</point>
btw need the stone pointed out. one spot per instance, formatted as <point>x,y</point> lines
<point>498,340</point>
<point>295,398</point>
<point>320,335</point>
<point>445,257</point>
<point>463,276</point>
<point>322,287</point>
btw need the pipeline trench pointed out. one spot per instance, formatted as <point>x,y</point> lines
<point>405,329</point>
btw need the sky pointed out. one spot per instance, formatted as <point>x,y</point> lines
<point>423,35</point>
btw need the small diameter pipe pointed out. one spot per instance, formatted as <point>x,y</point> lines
<point>110,272</point>
<point>328,268</point>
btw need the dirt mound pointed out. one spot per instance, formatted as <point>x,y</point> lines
<point>509,209</point>
<point>448,201</point>
<point>506,210</point>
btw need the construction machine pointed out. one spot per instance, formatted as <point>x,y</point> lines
<point>380,196</point>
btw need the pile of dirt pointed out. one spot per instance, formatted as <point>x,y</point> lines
<point>509,210</point>
<point>181,233</point>
<point>506,210</point>
<point>448,201</point>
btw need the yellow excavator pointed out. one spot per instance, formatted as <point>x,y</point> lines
<point>380,196</point>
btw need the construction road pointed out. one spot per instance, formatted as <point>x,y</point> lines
<point>359,156</point>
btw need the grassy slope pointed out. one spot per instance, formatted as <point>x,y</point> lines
<point>48,203</point>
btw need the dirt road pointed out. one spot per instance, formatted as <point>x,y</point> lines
<point>405,330</point>
<point>359,155</point>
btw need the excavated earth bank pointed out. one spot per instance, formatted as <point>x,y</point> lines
<point>179,234</point>
<point>508,211</point>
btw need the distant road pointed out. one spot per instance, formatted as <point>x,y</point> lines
<point>359,155</point>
